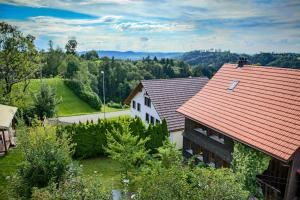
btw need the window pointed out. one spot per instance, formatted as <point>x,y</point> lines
<point>147,117</point>
<point>133,104</point>
<point>148,102</point>
<point>152,120</point>
<point>157,121</point>
<point>138,106</point>
<point>233,85</point>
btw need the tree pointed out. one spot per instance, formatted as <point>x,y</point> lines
<point>18,58</point>
<point>127,149</point>
<point>71,47</point>
<point>165,177</point>
<point>44,101</point>
<point>46,158</point>
<point>73,64</point>
<point>91,55</point>
<point>247,164</point>
<point>54,60</point>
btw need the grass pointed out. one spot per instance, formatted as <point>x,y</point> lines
<point>70,105</point>
<point>8,166</point>
<point>106,168</point>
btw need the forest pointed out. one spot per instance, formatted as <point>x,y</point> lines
<point>207,62</point>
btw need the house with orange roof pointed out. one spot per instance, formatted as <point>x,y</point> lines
<point>257,106</point>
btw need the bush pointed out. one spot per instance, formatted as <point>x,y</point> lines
<point>46,159</point>
<point>75,188</point>
<point>85,93</point>
<point>167,178</point>
<point>90,138</point>
<point>114,105</point>
<point>44,102</point>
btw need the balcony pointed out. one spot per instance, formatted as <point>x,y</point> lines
<point>217,138</point>
<point>200,130</point>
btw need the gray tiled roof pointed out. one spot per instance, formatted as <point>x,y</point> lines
<point>168,94</point>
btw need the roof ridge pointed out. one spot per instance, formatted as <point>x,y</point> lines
<point>168,79</point>
<point>265,66</point>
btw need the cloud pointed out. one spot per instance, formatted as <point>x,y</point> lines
<point>241,26</point>
<point>153,27</point>
<point>55,20</point>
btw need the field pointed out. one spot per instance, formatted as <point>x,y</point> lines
<point>70,105</point>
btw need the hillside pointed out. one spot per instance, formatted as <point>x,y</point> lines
<point>208,62</point>
<point>70,105</point>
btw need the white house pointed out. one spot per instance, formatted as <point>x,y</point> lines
<point>158,99</point>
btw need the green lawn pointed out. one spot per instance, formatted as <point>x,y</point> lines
<point>106,168</point>
<point>70,105</point>
<point>8,166</point>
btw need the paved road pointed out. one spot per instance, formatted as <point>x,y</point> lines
<point>89,117</point>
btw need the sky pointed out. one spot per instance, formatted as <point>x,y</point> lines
<point>160,25</point>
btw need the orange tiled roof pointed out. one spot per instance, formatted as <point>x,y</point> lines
<point>262,111</point>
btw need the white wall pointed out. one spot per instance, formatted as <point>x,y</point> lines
<point>139,98</point>
<point>176,137</point>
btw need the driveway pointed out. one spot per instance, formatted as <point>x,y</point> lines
<point>89,117</point>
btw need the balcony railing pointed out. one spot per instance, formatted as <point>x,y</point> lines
<point>217,138</point>
<point>270,192</point>
<point>200,130</point>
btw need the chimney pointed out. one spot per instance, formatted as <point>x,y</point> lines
<point>242,61</point>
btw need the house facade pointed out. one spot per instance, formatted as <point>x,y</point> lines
<point>256,106</point>
<point>155,100</point>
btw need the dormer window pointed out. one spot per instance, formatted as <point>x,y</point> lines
<point>148,102</point>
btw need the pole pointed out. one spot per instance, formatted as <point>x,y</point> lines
<point>103,92</point>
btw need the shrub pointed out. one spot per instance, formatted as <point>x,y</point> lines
<point>158,134</point>
<point>91,137</point>
<point>247,164</point>
<point>46,158</point>
<point>75,188</point>
<point>167,178</point>
<point>44,102</point>
<point>115,105</point>
<point>125,148</point>
<point>85,93</point>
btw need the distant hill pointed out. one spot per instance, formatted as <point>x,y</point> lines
<point>208,62</point>
<point>218,58</point>
<point>132,55</point>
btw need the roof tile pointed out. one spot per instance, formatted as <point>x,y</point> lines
<point>262,111</point>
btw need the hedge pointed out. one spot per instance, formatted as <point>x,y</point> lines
<point>84,92</point>
<point>90,138</point>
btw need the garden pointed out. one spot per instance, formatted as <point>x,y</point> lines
<point>89,160</point>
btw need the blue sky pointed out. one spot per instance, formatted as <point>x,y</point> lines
<point>160,25</point>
